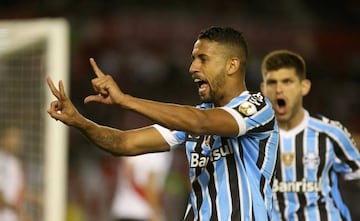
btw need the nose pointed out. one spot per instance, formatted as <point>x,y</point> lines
<point>279,88</point>
<point>193,67</point>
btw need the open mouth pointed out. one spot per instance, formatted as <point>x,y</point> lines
<point>202,85</point>
<point>199,82</point>
<point>281,102</point>
<point>281,106</point>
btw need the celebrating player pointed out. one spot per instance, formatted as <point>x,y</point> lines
<point>231,138</point>
<point>313,150</point>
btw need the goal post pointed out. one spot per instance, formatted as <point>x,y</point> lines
<point>31,50</point>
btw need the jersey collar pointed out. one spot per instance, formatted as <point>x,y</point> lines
<point>298,128</point>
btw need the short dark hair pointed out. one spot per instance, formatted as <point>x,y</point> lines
<point>228,36</point>
<point>278,59</point>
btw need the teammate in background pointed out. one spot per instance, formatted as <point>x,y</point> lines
<point>140,182</point>
<point>231,138</point>
<point>11,174</point>
<point>313,150</point>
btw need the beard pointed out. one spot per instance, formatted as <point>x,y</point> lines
<point>208,97</point>
<point>213,95</point>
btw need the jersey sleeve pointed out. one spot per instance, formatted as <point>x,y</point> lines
<point>172,137</point>
<point>254,114</point>
<point>347,154</point>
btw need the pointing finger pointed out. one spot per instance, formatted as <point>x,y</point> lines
<point>96,69</point>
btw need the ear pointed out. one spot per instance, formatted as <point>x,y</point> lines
<point>233,65</point>
<point>305,86</point>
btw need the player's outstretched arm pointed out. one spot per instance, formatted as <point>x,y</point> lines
<point>172,116</point>
<point>117,142</point>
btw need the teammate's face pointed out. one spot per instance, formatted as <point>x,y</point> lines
<point>285,91</point>
<point>208,70</point>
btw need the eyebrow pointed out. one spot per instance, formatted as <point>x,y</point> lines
<point>202,55</point>
<point>272,80</point>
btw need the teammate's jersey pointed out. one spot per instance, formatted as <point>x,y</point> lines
<point>310,158</point>
<point>230,176</point>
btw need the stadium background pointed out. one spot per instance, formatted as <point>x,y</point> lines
<point>146,46</point>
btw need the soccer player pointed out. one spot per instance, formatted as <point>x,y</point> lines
<point>313,150</point>
<point>231,137</point>
<point>12,180</point>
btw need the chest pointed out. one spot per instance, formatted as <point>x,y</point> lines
<point>306,153</point>
<point>202,150</point>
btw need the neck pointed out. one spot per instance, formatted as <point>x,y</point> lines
<point>293,121</point>
<point>226,98</point>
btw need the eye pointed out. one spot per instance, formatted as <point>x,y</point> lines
<point>287,81</point>
<point>203,58</point>
<point>270,82</point>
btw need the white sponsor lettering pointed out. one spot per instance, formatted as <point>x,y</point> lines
<point>199,160</point>
<point>297,186</point>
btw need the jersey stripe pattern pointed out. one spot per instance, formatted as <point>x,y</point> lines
<point>310,158</point>
<point>230,176</point>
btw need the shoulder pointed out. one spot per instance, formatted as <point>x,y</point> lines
<point>248,103</point>
<point>322,122</point>
<point>254,97</point>
<point>331,127</point>
<point>253,111</point>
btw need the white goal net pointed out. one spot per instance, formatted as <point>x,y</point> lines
<point>31,50</point>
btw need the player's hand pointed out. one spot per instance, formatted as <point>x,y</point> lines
<point>108,92</point>
<point>62,109</point>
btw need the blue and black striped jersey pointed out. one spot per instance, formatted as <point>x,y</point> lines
<point>310,158</point>
<point>230,176</point>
